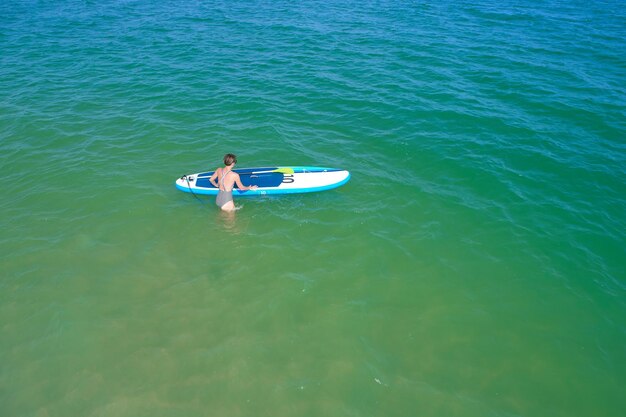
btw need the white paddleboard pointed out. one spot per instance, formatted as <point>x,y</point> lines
<point>270,180</point>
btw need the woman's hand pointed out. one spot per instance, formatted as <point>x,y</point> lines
<point>252,187</point>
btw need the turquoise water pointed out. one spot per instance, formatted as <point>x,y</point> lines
<point>473,266</point>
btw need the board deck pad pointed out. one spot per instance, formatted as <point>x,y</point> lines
<point>270,180</point>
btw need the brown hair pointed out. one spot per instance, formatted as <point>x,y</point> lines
<point>230,159</point>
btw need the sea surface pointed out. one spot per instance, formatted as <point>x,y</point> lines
<point>474,265</point>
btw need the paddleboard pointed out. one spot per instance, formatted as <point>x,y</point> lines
<point>270,180</point>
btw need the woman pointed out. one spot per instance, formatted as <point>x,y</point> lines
<point>226,180</point>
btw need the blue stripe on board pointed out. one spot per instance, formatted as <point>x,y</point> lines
<point>270,179</point>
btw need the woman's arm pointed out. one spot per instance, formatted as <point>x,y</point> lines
<point>243,187</point>
<point>212,179</point>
